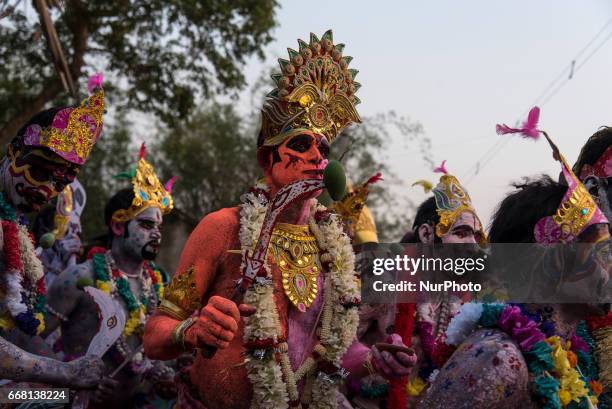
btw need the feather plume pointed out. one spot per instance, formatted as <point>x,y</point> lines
<point>528,129</point>
<point>376,178</point>
<point>426,184</point>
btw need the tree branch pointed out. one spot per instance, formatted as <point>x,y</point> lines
<point>79,29</point>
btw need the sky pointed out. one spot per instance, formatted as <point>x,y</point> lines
<point>460,67</point>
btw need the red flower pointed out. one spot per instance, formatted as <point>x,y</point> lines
<point>12,251</point>
<point>600,322</point>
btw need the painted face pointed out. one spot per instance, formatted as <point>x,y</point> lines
<point>302,156</point>
<point>33,176</point>
<point>466,229</point>
<point>143,236</point>
<point>601,190</point>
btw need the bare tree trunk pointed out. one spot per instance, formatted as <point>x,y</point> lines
<point>78,25</point>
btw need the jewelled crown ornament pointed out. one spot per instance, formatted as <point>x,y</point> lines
<point>148,190</point>
<point>452,200</point>
<point>74,130</point>
<point>577,210</point>
<point>353,211</point>
<point>315,91</point>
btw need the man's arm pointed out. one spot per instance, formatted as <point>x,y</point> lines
<point>19,365</point>
<point>64,296</point>
<point>217,322</point>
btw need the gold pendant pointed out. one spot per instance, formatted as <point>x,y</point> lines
<point>295,251</point>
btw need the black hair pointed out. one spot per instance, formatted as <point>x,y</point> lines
<point>120,200</point>
<point>426,214</point>
<point>43,118</point>
<point>263,152</point>
<point>517,215</point>
<point>592,150</point>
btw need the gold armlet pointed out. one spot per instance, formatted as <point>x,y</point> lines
<point>178,334</point>
<point>182,296</point>
<point>173,311</point>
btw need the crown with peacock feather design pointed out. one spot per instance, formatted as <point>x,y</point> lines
<point>315,91</point>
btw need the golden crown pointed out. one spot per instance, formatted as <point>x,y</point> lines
<point>148,191</point>
<point>315,91</point>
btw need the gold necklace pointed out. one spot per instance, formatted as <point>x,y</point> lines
<point>295,251</point>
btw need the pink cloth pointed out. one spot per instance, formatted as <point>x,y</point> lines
<point>300,326</point>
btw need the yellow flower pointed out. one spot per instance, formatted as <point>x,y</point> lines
<point>104,286</point>
<point>565,397</point>
<point>161,283</point>
<point>41,326</point>
<point>415,386</point>
<point>6,322</point>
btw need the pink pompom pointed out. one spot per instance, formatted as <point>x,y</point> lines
<point>143,151</point>
<point>441,168</point>
<point>95,81</point>
<point>169,184</point>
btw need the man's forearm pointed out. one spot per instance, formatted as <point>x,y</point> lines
<point>158,341</point>
<point>19,365</point>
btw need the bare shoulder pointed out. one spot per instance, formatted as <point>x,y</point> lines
<point>215,228</point>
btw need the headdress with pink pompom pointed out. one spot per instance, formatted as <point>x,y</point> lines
<point>577,210</point>
<point>74,130</point>
<point>148,190</point>
<point>452,200</point>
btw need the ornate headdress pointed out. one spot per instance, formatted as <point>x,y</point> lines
<point>354,212</point>
<point>73,131</point>
<point>148,190</point>
<point>577,210</point>
<point>315,91</point>
<point>451,200</point>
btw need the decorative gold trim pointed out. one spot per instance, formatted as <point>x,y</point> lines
<point>173,311</point>
<point>295,252</point>
<point>183,293</point>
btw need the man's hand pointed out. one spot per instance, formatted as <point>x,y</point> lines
<point>217,324</point>
<point>107,388</point>
<point>85,372</point>
<point>390,365</point>
<point>165,388</point>
<point>70,245</point>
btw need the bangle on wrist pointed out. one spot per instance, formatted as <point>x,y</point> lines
<point>178,334</point>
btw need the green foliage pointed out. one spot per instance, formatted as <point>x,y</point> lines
<point>164,55</point>
<point>213,155</point>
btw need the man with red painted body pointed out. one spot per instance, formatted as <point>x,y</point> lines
<point>296,341</point>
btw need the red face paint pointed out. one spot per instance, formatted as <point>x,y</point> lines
<point>302,156</point>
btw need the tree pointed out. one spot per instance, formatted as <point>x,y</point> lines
<point>361,147</point>
<point>164,55</point>
<point>213,156</point>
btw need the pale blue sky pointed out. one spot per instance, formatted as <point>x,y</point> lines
<point>458,67</point>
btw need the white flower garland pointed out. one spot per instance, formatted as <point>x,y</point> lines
<point>32,269</point>
<point>275,383</point>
